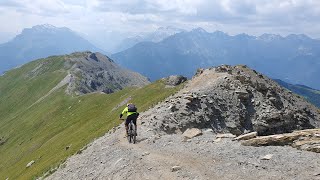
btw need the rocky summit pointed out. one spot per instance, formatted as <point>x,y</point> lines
<point>95,72</point>
<point>234,99</point>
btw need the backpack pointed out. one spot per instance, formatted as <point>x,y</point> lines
<point>132,108</point>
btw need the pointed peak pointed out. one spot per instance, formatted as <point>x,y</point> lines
<point>169,28</point>
<point>220,33</point>
<point>298,37</point>
<point>269,37</point>
<point>44,26</point>
<point>199,30</point>
<point>243,35</point>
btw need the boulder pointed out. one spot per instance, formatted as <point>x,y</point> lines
<point>175,168</point>
<point>30,163</point>
<point>175,80</point>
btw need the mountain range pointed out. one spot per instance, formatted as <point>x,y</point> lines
<point>156,36</point>
<point>294,58</point>
<point>170,50</point>
<point>41,41</point>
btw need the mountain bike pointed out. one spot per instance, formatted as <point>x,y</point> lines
<point>132,134</point>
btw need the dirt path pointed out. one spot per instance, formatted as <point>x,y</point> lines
<point>159,162</point>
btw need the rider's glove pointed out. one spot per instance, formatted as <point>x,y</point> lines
<point>120,116</point>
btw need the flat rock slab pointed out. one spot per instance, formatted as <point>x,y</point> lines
<point>304,140</point>
<point>227,135</point>
<point>193,132</point>
<point>247,136</point>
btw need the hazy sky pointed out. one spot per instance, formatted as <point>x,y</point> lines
<point>94,17</point>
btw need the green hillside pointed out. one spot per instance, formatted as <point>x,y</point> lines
<point>311,95</point>
<point>41,131</point>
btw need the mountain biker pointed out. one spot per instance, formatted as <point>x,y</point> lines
<point>132,115</point>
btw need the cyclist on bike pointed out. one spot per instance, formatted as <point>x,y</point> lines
<point>132,115</point>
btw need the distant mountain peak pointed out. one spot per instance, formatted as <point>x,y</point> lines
<point>273,37</point>
<point>298,37</point>
<point>95,72</point>
<point>269,37</point>
<point>162,33</point>
<point>45,28</point>
<point>169,29</point>
<point>199,30</point>
<point>220,33</point>
<point>41,41</point>
<point>158,35</point>
<point>243,35</point>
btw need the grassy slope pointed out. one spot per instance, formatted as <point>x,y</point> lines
<point>43,131</point>
<point>311,95</point>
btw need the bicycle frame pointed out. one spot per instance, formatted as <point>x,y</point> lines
<point>132,133</point>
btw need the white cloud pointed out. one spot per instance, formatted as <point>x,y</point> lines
<point>102,16</point>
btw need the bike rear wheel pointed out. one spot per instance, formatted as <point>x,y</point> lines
<point>129,136</point>
<point>134,134</point>
<point>131,132</point>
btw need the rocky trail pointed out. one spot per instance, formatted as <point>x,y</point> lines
<point>172,157</point>
<point>216,103</point>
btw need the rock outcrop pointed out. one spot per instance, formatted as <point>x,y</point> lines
<point>233,99</point>
<point>175,80</point>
